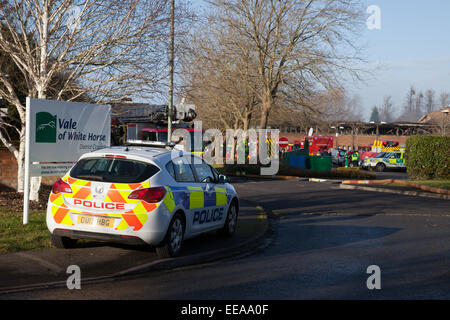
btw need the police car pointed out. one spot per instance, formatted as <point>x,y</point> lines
<point>138,194</point>
<point>385,160</point>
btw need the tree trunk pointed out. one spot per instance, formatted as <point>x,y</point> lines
<point>265,109</point>
<point>21,161</point>
<point>35,182</point>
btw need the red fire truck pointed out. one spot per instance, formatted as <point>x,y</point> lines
<point>318,144</point>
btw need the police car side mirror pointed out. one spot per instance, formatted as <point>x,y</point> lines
<point>223,178</point>
<point>208,180</point>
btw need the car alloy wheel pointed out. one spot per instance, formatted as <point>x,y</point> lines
<point>173,242</point>
<point>176,235</point>
<point>232,219</point>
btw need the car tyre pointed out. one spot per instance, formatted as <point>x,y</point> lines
<point>173,242</point>
<point>62,242</point>
<point>380,167</point>
<point>230,225</point>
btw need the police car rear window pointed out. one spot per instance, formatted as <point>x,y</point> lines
<point>113,170</point>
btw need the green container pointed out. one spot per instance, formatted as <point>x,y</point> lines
<point>322,163</point>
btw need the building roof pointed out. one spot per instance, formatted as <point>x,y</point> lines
<point>435,116</point>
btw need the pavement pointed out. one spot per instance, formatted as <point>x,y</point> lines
<point>29,270</point>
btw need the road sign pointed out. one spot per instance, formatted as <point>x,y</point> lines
<point>60,132</point>
<point>284,142</point>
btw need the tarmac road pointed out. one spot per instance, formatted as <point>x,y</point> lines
<point>392,174</point>
<point>323,241</point>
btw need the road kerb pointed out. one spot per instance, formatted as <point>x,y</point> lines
<point>385,190</point>
<point>402,182</point>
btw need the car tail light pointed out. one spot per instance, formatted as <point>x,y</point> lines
<point>61,186</point>
<point>150,195</point>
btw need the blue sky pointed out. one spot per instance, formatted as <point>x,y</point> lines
<point>411,48</point>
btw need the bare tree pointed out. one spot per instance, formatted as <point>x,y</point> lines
<point>105,49</point>
<point>334,105</point>
<point>386,110</point>
<point>412,103</point>
<point>294,42</point>
<point>429,100</point>
<point>218,78</point>
<point>444,99</point>
<point>418,104</point>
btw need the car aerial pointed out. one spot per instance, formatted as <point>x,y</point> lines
<point>385,160</point>
<point>140,195</point>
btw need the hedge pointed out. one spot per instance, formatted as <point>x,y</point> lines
<point>428,157</point>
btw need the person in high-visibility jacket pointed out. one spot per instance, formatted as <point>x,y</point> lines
<point>355,158</point>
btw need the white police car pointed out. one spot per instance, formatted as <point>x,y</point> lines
<point>138,195</point>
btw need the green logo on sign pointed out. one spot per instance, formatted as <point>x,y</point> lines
<point>45,127</point>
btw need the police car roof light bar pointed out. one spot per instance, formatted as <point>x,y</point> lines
<point>157,144</point>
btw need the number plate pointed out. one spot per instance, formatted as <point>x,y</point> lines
<point>101,221</point>
<point>105,222</point>
<point>87,220</point>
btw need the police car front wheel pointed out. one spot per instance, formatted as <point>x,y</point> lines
<point>231,222</point>
<point>173,241</point>
<point>380,167</point>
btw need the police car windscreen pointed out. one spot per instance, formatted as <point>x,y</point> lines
<point>113,170</point>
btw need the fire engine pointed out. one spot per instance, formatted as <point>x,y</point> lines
<point>148,122</point>
<point>318,144</point>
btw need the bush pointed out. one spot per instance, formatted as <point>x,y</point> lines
<point>428,157</point>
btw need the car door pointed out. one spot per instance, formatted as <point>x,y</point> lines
<point>212,216</point>
<point>392,160</point>
<point>191,197</point>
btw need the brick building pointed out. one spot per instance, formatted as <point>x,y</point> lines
<point>352,135</point>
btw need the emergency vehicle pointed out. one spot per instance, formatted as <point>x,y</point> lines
<point>141,195</point>
<point>318,144</point>
<point>385,160</point>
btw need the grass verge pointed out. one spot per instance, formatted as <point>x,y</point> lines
<point>14,236</point>
<point>442,184</point>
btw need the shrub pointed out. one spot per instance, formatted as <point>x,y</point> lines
<point>428,157</point>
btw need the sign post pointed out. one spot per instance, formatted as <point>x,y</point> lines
<point>57,133</point>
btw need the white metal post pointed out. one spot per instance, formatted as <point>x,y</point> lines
<point>26,186</point>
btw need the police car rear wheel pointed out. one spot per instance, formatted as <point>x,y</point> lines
<point>231,222</point>
<point>62,242</point>
<point>173,242</point>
